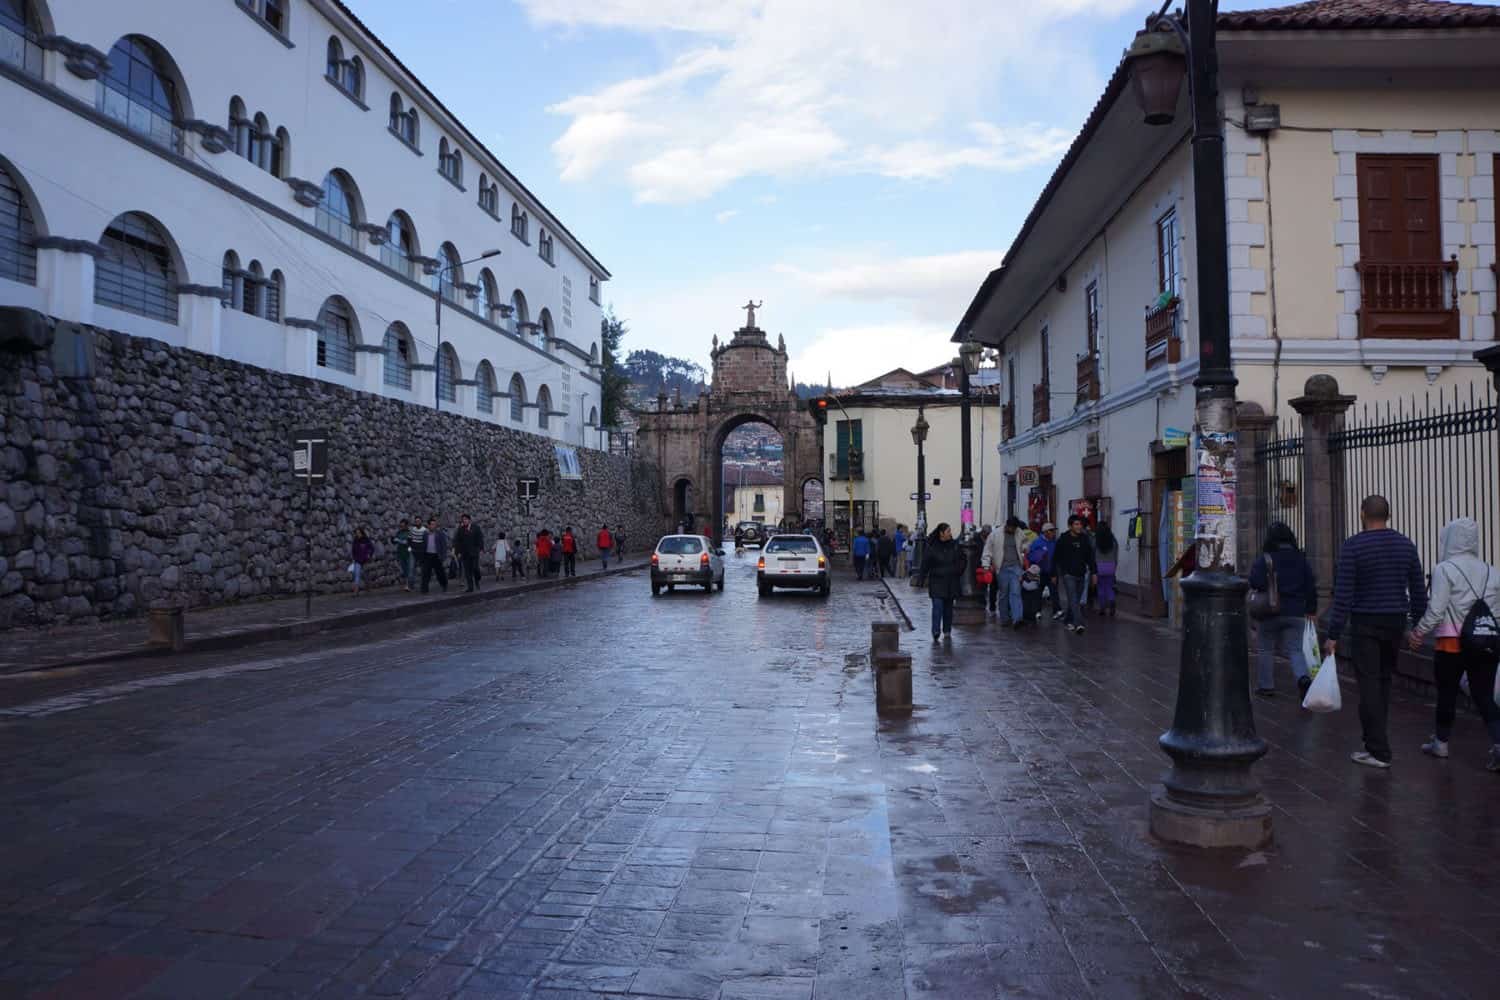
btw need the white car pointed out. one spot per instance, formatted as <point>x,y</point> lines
<point>793,561</point>
<point>686,559</point>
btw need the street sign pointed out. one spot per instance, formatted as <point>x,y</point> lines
<point>1171,437</point>
<point>924,496</point>
<point>310,454</point>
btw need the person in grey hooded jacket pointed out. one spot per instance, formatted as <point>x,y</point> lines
<point>1459,579</point>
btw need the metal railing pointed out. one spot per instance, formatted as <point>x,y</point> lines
<point>1278,463</point>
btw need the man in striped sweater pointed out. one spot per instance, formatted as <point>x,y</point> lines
<point>1378,591</point>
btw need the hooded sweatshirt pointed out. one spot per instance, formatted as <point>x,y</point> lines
<point>1457,580</point>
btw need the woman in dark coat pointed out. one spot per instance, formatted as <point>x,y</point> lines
<point>1297,591</point>
<point>941,565</point>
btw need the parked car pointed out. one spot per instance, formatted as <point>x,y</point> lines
<point>750,533</point>
<point>793,561</point>
<point>685,559</point>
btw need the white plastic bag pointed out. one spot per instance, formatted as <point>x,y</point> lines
<point>1310,657</point>
<point>353,568</point>
<point>1497,686</point>
<point>1323,695</point>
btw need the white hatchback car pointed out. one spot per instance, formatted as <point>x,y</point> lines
<point>685,559</point>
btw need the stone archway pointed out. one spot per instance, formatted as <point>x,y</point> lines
<point>750,384</point>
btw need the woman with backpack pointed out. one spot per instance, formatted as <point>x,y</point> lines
<point>1465,598</point>
<point>1283,570</point>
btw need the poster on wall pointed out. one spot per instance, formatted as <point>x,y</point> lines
<point>568,466</point>
<point>1086,509</point>
<point>1216,488</point>
<point>1037,513</point>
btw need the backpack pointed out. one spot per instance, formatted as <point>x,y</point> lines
<point>1480,633</point>
<point>1266,603</point>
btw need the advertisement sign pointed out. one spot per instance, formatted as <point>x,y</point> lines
<point>1216,490</point>
<point>1086,510</point>
<point>1037,512</point>
<point>1171,437</point>
<point>966,499</point>
<point>568,466</point>
<point>1028,476</point>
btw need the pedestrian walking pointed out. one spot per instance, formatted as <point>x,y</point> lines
<point>885,553</point>
<point>1378,590</point>
<point>434,553</point>
<point>569,552</point>
<point>1073,557</point>
<point>942,564</point>
<point>1040,555</point>
<point>518,558</point>
<point>554,554</point>
<point>1460,581</point>
<point>1003,556</point>
<point>605,543</point>
<point>900,542</point>
<point>502,556</point>
<point>543,552</point>
<point>401,542</point>
<point>1031,595</point>
<point>619,544</point>
<point>1107,552</point>
<point>860,547</point>
<point>468,543</point>
<point>1297,604</point>
<point>360,552</point>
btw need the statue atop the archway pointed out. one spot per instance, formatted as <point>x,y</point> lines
<point>716,344</point>
<point>781,343</point>
<point>750,308</point>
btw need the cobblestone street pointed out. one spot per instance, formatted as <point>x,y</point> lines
<point>588,791</point>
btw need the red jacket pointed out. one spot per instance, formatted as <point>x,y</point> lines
<point>569,544</point>
<point>544,546</point>
<point>605,539</point>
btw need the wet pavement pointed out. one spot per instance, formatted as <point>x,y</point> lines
<point>590,791</point>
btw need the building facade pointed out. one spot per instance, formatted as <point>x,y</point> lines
<point>1362,145</point>
<point>876,418</point>
<point>752,495</point>
<point>263,180</point>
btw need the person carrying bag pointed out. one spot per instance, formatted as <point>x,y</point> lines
<point>1284,603</point>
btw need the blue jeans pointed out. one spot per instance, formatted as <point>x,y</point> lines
<point>604,558</point>
<point>942,615</point>
<point>1009,580</point>
<point>1285,632</point>
<point>1076,588</point>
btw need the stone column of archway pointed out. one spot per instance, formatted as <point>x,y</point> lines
<point>791,494</point>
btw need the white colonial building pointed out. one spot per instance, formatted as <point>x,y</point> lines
<point>265,181</point>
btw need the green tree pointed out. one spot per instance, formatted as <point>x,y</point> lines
<point>616,382</point>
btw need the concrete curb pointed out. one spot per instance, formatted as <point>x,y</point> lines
<point>896,600</point>
<point>255,635</point>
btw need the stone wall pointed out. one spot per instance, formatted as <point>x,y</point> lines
<point>134,474</point>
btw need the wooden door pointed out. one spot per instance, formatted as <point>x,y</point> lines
<point>1148,571</point>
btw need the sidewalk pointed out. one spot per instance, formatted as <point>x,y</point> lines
<point>248,622</point>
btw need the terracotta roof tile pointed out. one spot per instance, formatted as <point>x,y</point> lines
<point>1355,14</point>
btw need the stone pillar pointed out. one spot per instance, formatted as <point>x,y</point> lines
<point>200,313</point>
<point>463,401</point>
<point>1252,504</point>
<point>424,384</point>
<point>369,367</point>
<point>65,270</point>
<point>1322,409</point>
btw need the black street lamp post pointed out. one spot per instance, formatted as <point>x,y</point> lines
<point>969,608</point>
<point>437,367</point>
<point>1209,798</point>
<point>919,543</point>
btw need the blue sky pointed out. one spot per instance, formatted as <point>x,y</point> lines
<point>858,165</point>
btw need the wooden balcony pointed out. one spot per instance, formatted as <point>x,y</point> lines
<point>1007,421</point>
<point>1163,340</point>
<point>1408,299</point>
<point>1088,378</point>
<point>1041,403</point>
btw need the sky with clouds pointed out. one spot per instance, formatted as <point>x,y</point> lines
<point>857,165</point>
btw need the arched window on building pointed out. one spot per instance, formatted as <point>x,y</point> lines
<point>544,246</point>
<point>17,231</point>
<point>135,272</point>
<point>137,90</point>
<point>543,407</point>
<point>449,275</point>
<point>400,245</point>
<point>518,313</point>
<point>593,416</point>
<point>517,398</point>
<point>447,374</point>
<point>484,302</point>
<point>518,222</point>
<point>260,141</point>
<point>20,35</point>
<point>255,289</point>
<point>545,322</point>
<point>346,74</point>
<point>275,295</point>
<point>338,212</point>
<point>398,357</point>
<point>234,278</point>
<point>335,68</point>
<point>336,336</point>
<point>450,161</point>
<point>489,195</point>
<point>240,126</point>
<point>484,387</point>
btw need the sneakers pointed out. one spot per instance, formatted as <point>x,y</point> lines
<point>1078,628</point>
<point>1435,747</point>
<point>1369,760</point>
<point>1058,616</point>
<point>1071,627</point>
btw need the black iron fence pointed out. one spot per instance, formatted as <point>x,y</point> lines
<point>1434,458</point>
<point>1278,464</point>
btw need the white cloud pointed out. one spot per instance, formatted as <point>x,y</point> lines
<point>856,354</point>
<point>783,88</point>
<point>726,215</point>
<point>935,288</point>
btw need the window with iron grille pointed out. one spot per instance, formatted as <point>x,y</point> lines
<point>484,395</point>
<point>233,277</point>
<point>400,246</point>
<point>136,91</point>
<point>397,358</point>
<point>447,375</point>
<point>17,233</point>
<point>335,215</point>
<point>336,337</point>
<point>449,275</point>
<point>20,31</point>
<point>543,406</point>
<point>1091,312</point>
<point>1168,254</point>
<point>253,295</point>
<point>517,398</point>
<point>135,271</point>
<point>273,297</point>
